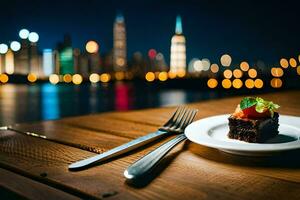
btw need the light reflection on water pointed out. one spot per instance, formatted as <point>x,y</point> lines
<point>27,103</point>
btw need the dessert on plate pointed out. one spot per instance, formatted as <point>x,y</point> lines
<point>254,120</point>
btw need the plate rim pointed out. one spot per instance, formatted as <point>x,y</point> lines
<point>248,147</point>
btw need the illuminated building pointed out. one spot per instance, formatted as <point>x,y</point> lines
<point>9,62</point>
<point>48,62</point>
<point>76,59</point>
<point>34,61</point>
<point>66,63</point>
<point>84,65</point>
<point>2,64</point>
<point>178,50</point>
<point>119,46</point>
<point>94,63</point>
<point>22,58</point>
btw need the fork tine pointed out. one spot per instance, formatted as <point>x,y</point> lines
<point>191,118</point>
<point>186,118</point>
<point>175,115</point>
<point>177,118</point>
<point>182,117</point>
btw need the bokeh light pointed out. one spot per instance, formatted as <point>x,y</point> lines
<point>104,78</point>
<point>205,64</point>
<point>163,76</point>
<point>284,63</point>
<point>276,83</point>
<point>94,78</point>
<point>214,68</point>
<point>152,53</point>
<point>293,62</point>
<point>237,73</point>
<point>3,78</point>
<point>258,83</point>
<point>119,76</point>
<point>298,70</point>
<point>244,66</point>
<point>249,83</point>
<point>92,46</point>
<point>252,73</point>
<point>237,83</point>
<point>197,65</point>
<point>23,33</point>
<point>77,79</point>
<point>171,75</point>
<point>54,79</point>
<point>227,73</point>
<point>3,48</point>
<point>181,73</point>
<point>150,76</point>
<point>67,78</point>
<point>31,78</point>
<point>226,60</point>
<point>33,37</point>
<point>212,83</point>
<point>226,83</point>
<point>277,72</point>
<point>15,46</point>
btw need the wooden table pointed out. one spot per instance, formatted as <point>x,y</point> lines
<point>35,168</point>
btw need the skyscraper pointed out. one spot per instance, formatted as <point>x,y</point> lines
<point>178,50</point>
<point>119,47</point>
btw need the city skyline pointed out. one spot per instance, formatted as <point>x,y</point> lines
<point>210,33</point>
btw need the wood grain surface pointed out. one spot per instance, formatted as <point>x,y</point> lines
<point>190,171</point>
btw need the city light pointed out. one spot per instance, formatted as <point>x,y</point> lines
<point>33,37</point>
<point>77,79</point>
<point>227,73</point>
<point>94,78</point>
<point>9,62</point>
<point>244,66</point>
<point>226,60</point>
<point>214,68</point>
<point>105,78</point>
<point>258,83</point>
<point>32,78</point>
<point>249,83</point>
<point>205,64</point>
<point>152,53</point>
<point>24,34</point>
<point>252,73</point>
<point>171,75</point>
<point>293,62</point>
<point>15,46</point>
<point>54,79</point>
<point>150,76</point>
<point>298,70</point>
<point>237,83</point>
<point>277,72</point>
<point>3,78</point>
<point>3,48</point>
<point>276,83</point>
<point>48,62</point>
<point>119,76</point>
<point>163,76</point>
<point>67,78</point>
<point>92,47</point>
<point>197,65</point>
<point>181,73</point>
<point>212,83</point>
<point>237,73</point>
<point>226,83</point>
<point>284,63</point>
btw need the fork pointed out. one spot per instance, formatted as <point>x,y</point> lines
<point>147,163</point>
<point>170,127</point>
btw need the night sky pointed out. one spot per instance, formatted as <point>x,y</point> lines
<point>250,30</point>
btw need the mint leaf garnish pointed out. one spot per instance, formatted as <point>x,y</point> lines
<point>247,102</point>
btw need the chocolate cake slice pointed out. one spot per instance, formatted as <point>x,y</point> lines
<point>253,130</point>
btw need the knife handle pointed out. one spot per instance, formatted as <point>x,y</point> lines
<point>145,164</point>
<point>134,144</point>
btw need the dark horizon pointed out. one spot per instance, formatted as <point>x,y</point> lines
<point>248,30</point>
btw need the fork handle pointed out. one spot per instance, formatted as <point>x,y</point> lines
<point>148,162</point>
<point>134,144</point>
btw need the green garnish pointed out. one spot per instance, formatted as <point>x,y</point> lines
<point>260,104</point>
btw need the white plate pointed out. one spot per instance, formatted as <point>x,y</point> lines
<point>212,132</point>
